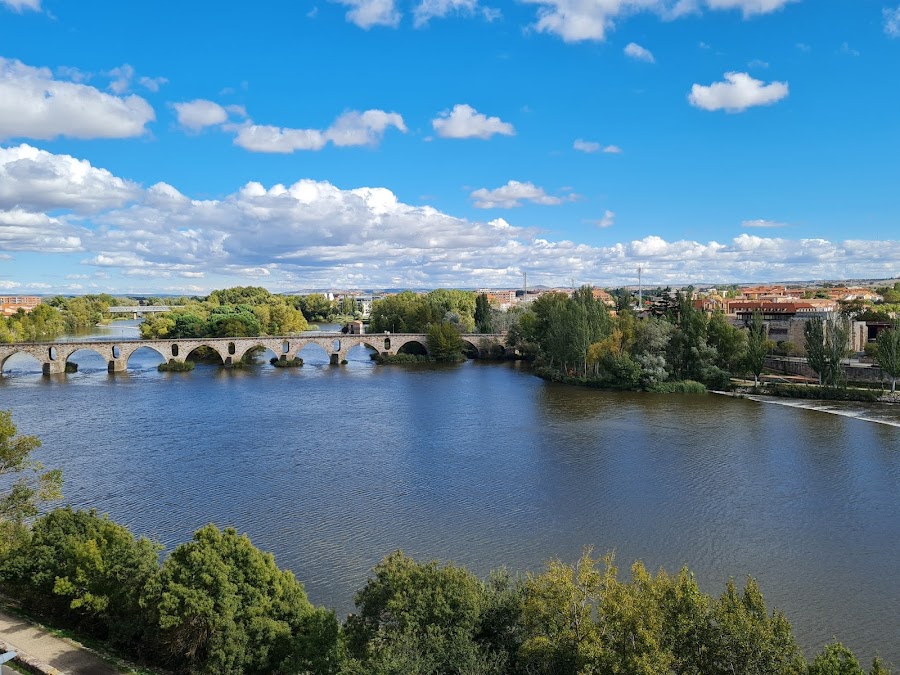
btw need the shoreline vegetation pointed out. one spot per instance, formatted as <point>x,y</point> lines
<point>218,604</point>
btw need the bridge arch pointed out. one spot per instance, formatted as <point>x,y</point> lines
<point>361,350</point>
<point>27,357</point>
<point>314,351</point>
<point>412,346</point>
<point>80,352</point>
<point>471,350</point>
<point>224,357</point>
<point>144,348</point>
<point>245,347</point>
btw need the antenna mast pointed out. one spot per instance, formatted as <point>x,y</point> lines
<point>640,289</point>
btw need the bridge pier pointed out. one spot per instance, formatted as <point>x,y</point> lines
<point>57,367</point>
<point>117,365</point>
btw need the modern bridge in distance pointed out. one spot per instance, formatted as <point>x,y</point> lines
<point>138,310</point>
<point>53,355</point>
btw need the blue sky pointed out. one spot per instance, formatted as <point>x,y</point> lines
<point>179,147</point>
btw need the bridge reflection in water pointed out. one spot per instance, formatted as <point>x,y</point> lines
<point>53,355</point>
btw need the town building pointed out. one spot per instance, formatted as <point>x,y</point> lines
<point>10,304</point>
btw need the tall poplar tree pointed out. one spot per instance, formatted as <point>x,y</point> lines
<point>483,314</point>
<point>814,332</point>
<point>756,346</point>
<point>888,353</point>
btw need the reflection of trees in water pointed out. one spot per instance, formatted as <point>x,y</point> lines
<point>567,402</point>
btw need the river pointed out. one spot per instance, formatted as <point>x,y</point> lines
<point>332,467</point>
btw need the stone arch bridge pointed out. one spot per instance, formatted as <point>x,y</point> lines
<point>53,356</point>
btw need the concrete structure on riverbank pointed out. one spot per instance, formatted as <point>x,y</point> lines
<point>53,356</point>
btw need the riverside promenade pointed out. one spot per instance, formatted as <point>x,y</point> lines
<point>47,653</point>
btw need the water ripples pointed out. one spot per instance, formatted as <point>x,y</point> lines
<point>331,468</point>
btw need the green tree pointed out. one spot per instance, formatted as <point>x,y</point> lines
<point>827,345</point>
<point>483,317</point>
<point>233,321</point>
<point>28,485</point>
<point>837,348</point>
<point>220,605</point>
<point>444,342</point>
<point>315,306</point>
<point>633,621</point>
<point>816,356</point>
<point>878,667</point>
<point>688,633</point>
<point>757,346</point>
<point>395,313</point>
<point>689,355</point>
<point>420,618</point>
<point>240,295</point>
<point>835,659</point>
<point>443,300</point>
<point>84,570</point>
<point>888,353</point>
<point>558,613</point>
<point>747,640</point>
<point>347,306</point>
<point>729,342</point>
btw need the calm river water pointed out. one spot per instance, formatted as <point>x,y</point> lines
<point>332,467</point>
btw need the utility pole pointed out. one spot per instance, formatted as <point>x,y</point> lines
<point>524,288</point>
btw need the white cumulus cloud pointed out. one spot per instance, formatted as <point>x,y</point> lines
<point>578,20</point>
<point>513,194</point>
<point>199,114</point>
<point>353,128</point>
<point>635,51</point>
<point>466,122</point>
<point>34,104</point>
<point>153,83</point>
<point>737,93</point>
<point>366,128</point>
<point>750,7</point>
<point>22,5</point>
<point>608,219</point>
<point>586,146</point>
<point>363,237</point>
<point>369,13</point>
<point>763,223</point>
<point>438,9</point>
<point>592,146</point>
<point>266,138</point>
<point>36,181</point>
<point>892,21</point>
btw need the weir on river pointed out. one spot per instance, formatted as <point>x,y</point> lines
<point>53,355</point>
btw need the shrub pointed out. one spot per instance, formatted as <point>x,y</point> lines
<point>679,387</point>
<point>392,359</point>
<point>295,362</point>
<point>174,366</point>
<point>822,393</point>
<point>85,570</point>
<point>220,605</point>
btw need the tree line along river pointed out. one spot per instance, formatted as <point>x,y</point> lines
<point>332,467</point>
